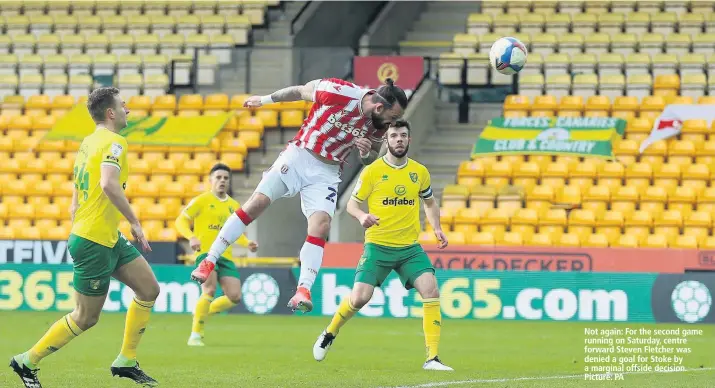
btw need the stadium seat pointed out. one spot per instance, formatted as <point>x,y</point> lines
<point>581,222</point>
<point>494,221</point>
<point>454,196</point>
<point>466,220</point>
<point>596,241</point>
<point>638,224</point>
<point>481,239</point>
<point>685,242</point>
<point>668,224</point>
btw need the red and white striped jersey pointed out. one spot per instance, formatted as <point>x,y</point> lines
<point>336,120</point>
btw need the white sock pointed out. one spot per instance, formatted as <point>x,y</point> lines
<point>230,232</point>
<point>311,257</point>
<point>195,335</point>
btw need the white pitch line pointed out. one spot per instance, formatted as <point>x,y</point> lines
<point>534,378</point>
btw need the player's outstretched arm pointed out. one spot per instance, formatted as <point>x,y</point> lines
<point>291,93</point>
<point>432,213</point>
<point>109,182</point>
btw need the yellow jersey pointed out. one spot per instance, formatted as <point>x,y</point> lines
<point>393,194</point>
<point>208,214</point>
<point>97,219</point>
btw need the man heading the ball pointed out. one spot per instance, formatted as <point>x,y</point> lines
<point>393,187</point>
<point>344,116</point>
<point>199,223</point>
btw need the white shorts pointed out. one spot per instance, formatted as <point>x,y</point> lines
<point>297,171</point>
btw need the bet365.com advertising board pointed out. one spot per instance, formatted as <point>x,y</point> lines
<point>559,296</point>
<point>42,287</point>
<point>547,296</point>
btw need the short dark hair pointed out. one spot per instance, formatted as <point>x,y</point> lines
<point>402,123</point>
<point>99,101</point>
<point>220,167</point>
<point>389,94</point>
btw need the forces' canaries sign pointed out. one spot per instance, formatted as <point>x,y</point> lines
<point>583,136</point>
<point>179,131</point>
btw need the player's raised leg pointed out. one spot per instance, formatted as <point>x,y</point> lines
<point>136,274</point>
<point>311,258</point>
<point>426,285</point>
<point>269,189</point>
<point>201,310</point>
<point>359,297</point>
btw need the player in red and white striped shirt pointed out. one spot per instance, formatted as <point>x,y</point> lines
<point>344,116</point>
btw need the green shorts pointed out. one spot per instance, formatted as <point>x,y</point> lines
<point>224,266</point>
<point>378,260</point>
<point>95,263</point>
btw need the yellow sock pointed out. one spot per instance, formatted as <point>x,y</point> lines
<point>59,334</point>
<point>137,318</point>
<point>221,304</point>
<point>201,311</point>
<point>432,326</point>
<point>344,313</point>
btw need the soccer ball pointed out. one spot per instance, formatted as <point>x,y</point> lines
<point>260,293</point>
<point>691,301</point>
<point>508,55</point>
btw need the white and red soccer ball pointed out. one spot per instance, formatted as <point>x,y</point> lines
<point>508,55</point>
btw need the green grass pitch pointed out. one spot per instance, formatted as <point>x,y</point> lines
<point>275,351</point>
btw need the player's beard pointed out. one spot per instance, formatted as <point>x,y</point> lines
<point>398,154</point>
<point>378,121</point>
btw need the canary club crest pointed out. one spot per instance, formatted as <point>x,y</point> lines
<point>413,177</point>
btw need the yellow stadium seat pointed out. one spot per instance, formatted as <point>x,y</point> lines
<point>627,241</point>
<point>541,193</point>
<point>682,199</point>
<point>291,118</point>
<point>455,197</point>
<point>494,221</point>
<point>582,175</point>
<point>571,240</point>
<point>545,102</point>
<point>498,174</point>
<point>639,174</point>
<point>685,242</point>
<point>666,82</point>
<point>698,224</point>
<point>596,198</point>
<point>655,241</point>
<point>624,199</point>
<point>668,224</point>
<point>653,200</point>
<point>598,103</point>
<point>541,240</point>
<point>191,102</point>
<point>707,243</point>
<point>571,103</point>
<point>554,175</point>
<point>515,102</point>
<point>581,222</point>
<point>610,224</point>
<point>638,223</point>
<point>218,102</point>
<point>252,140</point>
<point>510,239</point>
<point>524,221</point>
<point>164,103</point>
<point>466,220</point>
<point>269,118</point>
<point>21,211</point>
<point>570,195</point>
<point>681,152</point>
<point>595,241</point>
<point>481,239</point>
<point>250,124</point>
<point>481,198</point>
<point>455,238</point>
<point>611,174</point>
<point>696,176</point>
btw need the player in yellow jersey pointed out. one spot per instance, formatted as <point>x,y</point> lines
<point>99,251</point>
<point>200,223</point>
<point>393,187</point>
